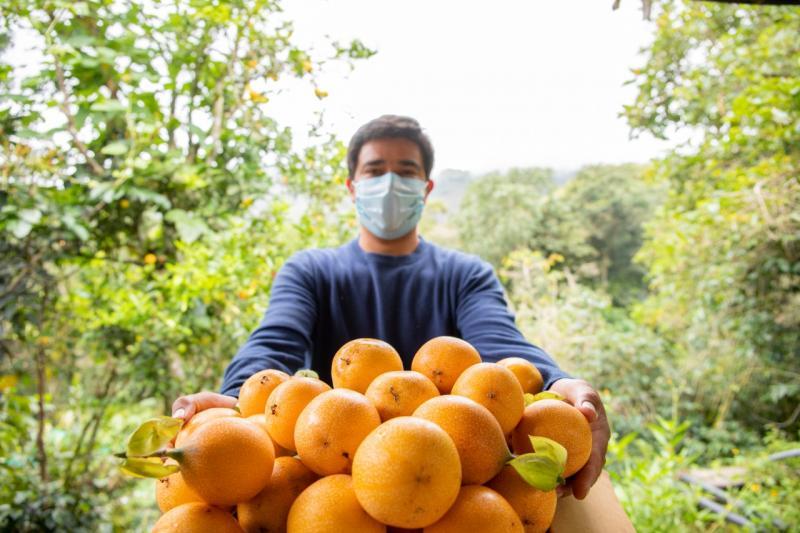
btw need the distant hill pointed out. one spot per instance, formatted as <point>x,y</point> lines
<point>451,184</point>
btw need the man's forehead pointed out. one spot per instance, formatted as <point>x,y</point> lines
<point>390,150</point>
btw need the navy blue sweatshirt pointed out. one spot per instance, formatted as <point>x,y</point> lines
<point>322,299</point>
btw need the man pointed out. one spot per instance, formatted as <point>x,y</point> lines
<point>392,285</point>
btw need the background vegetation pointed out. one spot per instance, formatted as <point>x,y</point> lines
<point>148,199</point>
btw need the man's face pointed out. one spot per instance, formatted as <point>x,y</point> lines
<point>380,156</point>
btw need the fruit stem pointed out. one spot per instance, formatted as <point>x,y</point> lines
<point>172,453</point>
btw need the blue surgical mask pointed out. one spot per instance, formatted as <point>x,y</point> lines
<point>390,206</point>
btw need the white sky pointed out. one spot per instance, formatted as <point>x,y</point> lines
<point>495,84</point>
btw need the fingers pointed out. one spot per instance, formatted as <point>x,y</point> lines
<point>580,394</point>
<point>187,406</point>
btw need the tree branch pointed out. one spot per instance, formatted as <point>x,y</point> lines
<point>96,167</point>
<point>219,102</point>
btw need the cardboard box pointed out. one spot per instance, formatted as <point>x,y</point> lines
<point>599,512</point>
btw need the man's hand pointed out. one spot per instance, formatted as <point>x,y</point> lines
<point>187,406</point>
<point>580,394</point>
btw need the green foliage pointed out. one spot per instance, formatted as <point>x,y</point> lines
<point>594,221</point>
<point>499,211</point>
<point>645,468</point>
<point>612,203</point>
<point>148,199</point>
<point>644,472</point>
<point>723,253</point>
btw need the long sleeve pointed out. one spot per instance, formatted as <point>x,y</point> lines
<point>283,339</point>
<point>484,320</point>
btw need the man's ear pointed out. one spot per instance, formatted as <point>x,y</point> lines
<point>350,187</point>
<point>428,188</point>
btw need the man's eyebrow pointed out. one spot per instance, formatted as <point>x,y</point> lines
<point>410,162</point>
<point>375,162</point>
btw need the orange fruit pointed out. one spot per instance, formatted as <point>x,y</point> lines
<point>330,506</point>
<point>261,421</point>
<point>360,361</point>
<point>172,491</point>
<point>201,418</point>
<point>196,518</point>
<point>561,422</point>
<point>478,509</point>
<point>407,473</point>
<point>254,392</point>
<point>285,404</point>
<point>526,372</point>
<point>476,433</point>
<point>496,388</point>
<point>534,507</point>
<point>443,359</point>
<point>398,393</point>
<point>330,429</point>
<point>226,461</point>
<point>269,510</point>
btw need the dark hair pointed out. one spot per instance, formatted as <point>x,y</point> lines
<point>390,127</point>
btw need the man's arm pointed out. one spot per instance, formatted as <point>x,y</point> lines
<point>484,320</point>
<point>283,338</point>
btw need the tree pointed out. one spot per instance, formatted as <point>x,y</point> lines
<point>145,208</point>
<point>612,203</point>
<point>723,253</point>
<point>499,211</point>
<point>594,221</point>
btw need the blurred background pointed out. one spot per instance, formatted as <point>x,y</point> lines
<point>634,180</point>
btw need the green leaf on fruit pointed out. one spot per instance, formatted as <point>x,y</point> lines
<point>549,448</point>
<point>542,468</point>
<point>151,467</point>
<point>538,471</point>
<point>153,435</point>
<point>544,395</point>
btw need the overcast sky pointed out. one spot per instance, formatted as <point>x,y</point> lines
<point>496,84</point>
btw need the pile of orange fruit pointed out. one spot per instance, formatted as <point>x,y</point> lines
<point>385,449</point>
